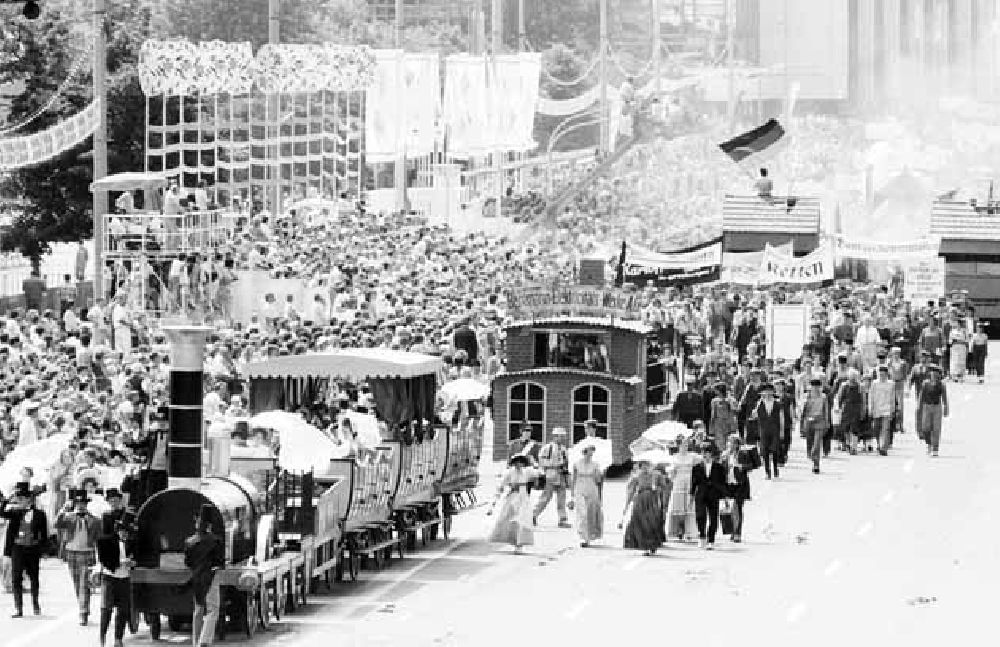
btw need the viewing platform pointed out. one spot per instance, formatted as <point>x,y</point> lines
<point>750,221</point>
<point>161,237</point>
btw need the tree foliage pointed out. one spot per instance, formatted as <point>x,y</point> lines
<point>39,61</point>
<point>563,64</point>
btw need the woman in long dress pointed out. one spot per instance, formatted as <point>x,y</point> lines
<point>587,479</point>
<point>680,511</point>
<point>959,350</point>
<point>645,529</point>
<point>513,524</point>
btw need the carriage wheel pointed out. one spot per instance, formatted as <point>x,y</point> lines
<point>276,601</point>
<point>289,595</point>
<point>304,584</point>
<point>353,565</point>
<point>155,628</point>
<point>250,613</point>
<point>264,608</point>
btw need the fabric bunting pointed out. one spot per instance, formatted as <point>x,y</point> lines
<point>27,150</point>
<point>179,67</point>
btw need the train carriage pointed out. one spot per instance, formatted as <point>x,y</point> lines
<point>285,531</point>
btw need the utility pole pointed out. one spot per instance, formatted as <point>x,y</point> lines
<point>657,47</point>
<point>731,63</point>
<point>273,108</point>
<point>605,145</point>
<point>398,29</point>
<point>522,36</point>
<point>100,205</point>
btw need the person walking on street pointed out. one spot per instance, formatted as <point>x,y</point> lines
<point>708,487</point>
<point>116,569</point>
<point>933,401</point>
<point>918,376</point>
<point>850,402</point>
<point>24,542</point>
<point>898,372</point>
<point>554,463</point>
<point>643,516</point>
<point>881,406</point>
<point>80,530</point>
<point>204,554</point>
<point>586,484</point>
<point>771,424</point>
<point>815,421</point>
<point>980,343</point>
<point>737,483</point>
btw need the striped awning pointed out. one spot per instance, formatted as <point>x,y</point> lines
<point>954,219</point>
<point>354,364</point>
<point>751,213</point>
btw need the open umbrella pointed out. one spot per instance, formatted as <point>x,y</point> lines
<point>302,447</point>
<point>40,456</point>
<point>603,454</point>
<point>465,389</point>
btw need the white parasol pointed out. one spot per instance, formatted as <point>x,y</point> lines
<point>465,389</point>
<point>365,426</point>
<point>603,455</point>
<point>660,436</point>
<point>302,447</point>
<point>40,456</point>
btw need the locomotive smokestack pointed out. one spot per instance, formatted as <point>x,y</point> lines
<point>187,432</point>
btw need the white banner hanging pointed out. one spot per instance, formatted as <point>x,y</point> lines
<point>566,107</point>
<point>813,268</point>
<point>28,150</point>
<point>892,251</point>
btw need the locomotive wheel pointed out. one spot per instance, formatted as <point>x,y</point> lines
<point>175,623</point>
<point>155,628</point>
<point>276,601</point>
<point>249,613</point>
<point>264,608</point>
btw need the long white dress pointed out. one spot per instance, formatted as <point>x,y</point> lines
<point>514,523</point>
<point>680,509</point>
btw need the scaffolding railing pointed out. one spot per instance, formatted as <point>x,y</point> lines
<point>156,235</point>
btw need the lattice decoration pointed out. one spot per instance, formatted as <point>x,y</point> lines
<point>313,68</point>
<point>27,150</point>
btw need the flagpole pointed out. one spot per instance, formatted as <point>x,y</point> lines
<point>730,61</point>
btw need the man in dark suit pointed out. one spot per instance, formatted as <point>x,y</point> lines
<point>525,445</point>
<point>204,554</point>
<point>708,487</point>
<point>688,405</point>
<point>27,532</point>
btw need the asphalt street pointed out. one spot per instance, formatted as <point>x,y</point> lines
<point>874,550</point>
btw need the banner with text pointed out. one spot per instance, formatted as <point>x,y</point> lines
<point>542,302</point>
<point>813,268</point>
<point>877,251</point>
<point>698,264</point>
<point>923,280</point>
<point>744,268</point>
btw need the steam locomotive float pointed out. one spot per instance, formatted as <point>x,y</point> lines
<point>286,532</point>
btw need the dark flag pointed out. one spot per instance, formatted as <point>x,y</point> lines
<point>752,143</point>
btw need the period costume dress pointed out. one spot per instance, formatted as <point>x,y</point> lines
<point>959,351</point>
<point>587,500</point>
<point>513,524</point>
<point>680,510</point>
<point>645,526</point>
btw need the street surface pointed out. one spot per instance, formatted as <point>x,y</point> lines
<point>895,550</point>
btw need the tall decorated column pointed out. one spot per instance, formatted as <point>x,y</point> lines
<point>186,437</point>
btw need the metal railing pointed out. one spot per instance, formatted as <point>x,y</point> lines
<point>154,234</point>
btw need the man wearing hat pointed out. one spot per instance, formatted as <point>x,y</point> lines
<point>27,532</point>
<point>899,370</point>
<point>27,431</point>
<point>918,376</point>
<point>933,403</point>
<point>525,445</point>
<point>751,396</point>
<point>80,531</point>
<point>771,424</point>
<point>113,549</point>
<point>204,554</point>
<point>554,463</point>
<point>815,421</point>
<point>881,407</point>
<point>688,405</point>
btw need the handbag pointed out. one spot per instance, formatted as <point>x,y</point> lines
<point>726,518</point>
<point>750,457</point>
